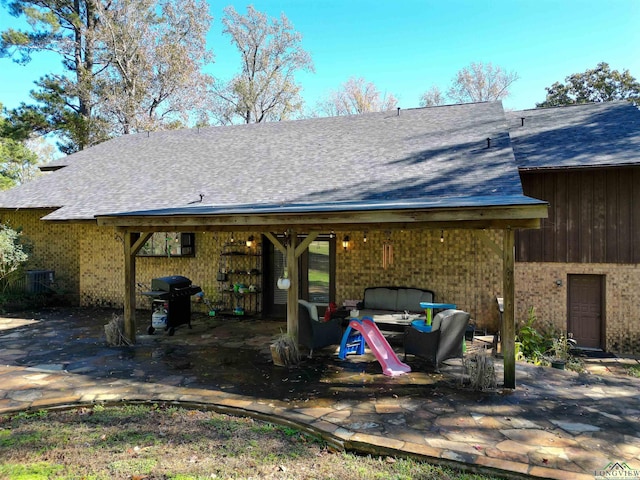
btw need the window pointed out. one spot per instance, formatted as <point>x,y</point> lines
<point>169,244</point>
<point>319,272</point>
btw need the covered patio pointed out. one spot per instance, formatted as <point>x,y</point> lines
<point>504,213</point>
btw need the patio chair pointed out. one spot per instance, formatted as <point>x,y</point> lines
<point>313,333</point>
<point>444,341</point>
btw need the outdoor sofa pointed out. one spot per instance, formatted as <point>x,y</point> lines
<point>444,341</point>
<point>382,303</point>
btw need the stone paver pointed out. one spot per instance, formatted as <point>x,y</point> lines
<point>557,425</point>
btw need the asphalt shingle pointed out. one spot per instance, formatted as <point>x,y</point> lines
<point>435,152</point>
<point>588,135</point>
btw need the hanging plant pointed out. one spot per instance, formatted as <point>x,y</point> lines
<point>283,282</point>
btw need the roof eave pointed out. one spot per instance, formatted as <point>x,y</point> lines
<point>509,216</point>
<point>562,168</point>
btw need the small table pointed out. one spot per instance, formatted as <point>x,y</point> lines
<point>428,307</point>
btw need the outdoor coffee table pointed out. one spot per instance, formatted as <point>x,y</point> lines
<point>396,321</point>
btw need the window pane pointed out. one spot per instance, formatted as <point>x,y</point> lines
<point>173,244</point>
<point>319,271</point>
<point>163,244</point>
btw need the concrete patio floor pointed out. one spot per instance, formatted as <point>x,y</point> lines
<point>555,424</point>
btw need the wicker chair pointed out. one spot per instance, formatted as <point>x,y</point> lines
<point>444,341</point>
<point>313,333</point>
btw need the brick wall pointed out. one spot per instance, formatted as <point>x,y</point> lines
<point>460,270</point>
<point>55,246</point>
<point>464,270</point>
<point>102,267</point>
<point>535,286</point>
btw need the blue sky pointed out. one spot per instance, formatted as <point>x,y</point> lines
<point>404,47</point>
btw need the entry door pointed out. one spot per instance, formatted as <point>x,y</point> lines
<point>586,309</point>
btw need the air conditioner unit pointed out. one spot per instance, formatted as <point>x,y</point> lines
<point>39,281</point>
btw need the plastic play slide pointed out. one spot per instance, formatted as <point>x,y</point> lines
<point>391,364</point>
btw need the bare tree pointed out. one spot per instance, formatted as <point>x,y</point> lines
<point>153,52</point>
<point>271,53</point>
<point>481,82</point>
<point>129,65</point>
<point>432,97</point>
<point>356,96</point>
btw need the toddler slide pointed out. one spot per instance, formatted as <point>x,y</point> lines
<point>391,364</point>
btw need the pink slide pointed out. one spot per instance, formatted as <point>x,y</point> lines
<point>391,364</point>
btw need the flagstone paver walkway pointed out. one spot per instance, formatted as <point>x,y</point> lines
<point>556,424</point>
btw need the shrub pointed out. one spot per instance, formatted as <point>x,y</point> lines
<point>13,254</point>
<point>531,345</point>
<point>539,345</point>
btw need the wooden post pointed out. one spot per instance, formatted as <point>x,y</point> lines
<point>292,252</point>
<point>133,242</point>
<point>508,327</point>
<point>292,293</point>
<point>130,286</point>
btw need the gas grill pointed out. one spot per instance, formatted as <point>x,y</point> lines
<point>171,301</point>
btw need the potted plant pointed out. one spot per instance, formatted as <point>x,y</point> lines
<point>284,350</point>
<point>560,352</point>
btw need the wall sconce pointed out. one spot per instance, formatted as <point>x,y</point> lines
<point>441,236</point>
<point>250,241</point>
<point>364,238</point>
<point>345,242</point>
<point>558,283</point>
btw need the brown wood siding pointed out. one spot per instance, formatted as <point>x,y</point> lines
<point>594,216</point>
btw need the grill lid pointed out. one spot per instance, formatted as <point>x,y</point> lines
<point>173,294</point>
<point>168,284</point>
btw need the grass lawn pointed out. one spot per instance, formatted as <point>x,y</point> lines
<point>168,442</point>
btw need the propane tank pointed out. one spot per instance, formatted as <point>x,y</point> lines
<point>159,317</point>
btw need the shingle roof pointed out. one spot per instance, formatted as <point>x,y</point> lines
<point>431,153</point>
<point>588,135</point>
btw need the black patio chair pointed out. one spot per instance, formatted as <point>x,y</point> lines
<point>313,333</point>
<point>444,341</point>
